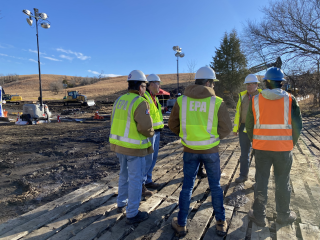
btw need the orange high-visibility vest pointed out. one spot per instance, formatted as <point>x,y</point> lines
<point>272,124</point>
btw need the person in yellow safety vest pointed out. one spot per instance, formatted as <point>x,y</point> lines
<point>251,82</point>
<point>131,128</point>
<point>273,125</point>
<point>201,119</point>
<point>153,87</point>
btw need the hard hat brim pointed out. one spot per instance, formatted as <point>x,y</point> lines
<point>216,80</point>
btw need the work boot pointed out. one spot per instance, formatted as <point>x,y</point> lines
<point>146,192</point>
<point>140,217</point>
<point>153,185</point>
<point>180,230</point>
<point>121,209</point>
<point>201,172</point>
<point>221,228</point>
<point>261,223</point>
<point>288,220</point>
<point>241,179</point>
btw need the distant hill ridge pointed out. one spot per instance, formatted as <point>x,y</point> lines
<point>27,86</point>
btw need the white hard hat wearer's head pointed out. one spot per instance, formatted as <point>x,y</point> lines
<point>136,75</point>
<point>206,73</point>
<point>153,78</point>
<point>251,78</point>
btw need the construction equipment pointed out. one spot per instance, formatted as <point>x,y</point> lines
<point>34,112</point>
<point>265,66</point>
<point>12,98</point>
<point>76,97</point>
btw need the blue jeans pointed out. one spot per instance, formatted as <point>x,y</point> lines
<point>282,162</point>
<point>151,159</point>
<point>190,168</point>
<point>130,183</point>
<point>245,146</point>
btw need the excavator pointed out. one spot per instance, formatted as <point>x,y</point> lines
<point>76,97</point>
<point>278,63</point>
<point>265,66</point>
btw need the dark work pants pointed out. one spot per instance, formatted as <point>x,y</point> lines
<point>281,162</point>
<point>245,146</point>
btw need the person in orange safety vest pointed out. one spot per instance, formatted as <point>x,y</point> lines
<point>273,125</point>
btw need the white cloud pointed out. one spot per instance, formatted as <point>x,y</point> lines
<point>79,55</point>
<point>66,57</point>
<point>6,55</point>
<point>35,51</point>
<point>6,46</point>
<point>94,72</point>
<point>104,75</point>
<point>53,59</point>
<point>110,75</point>
<point>32,60</point>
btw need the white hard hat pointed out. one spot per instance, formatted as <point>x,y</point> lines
<point>206,73</point>
<point>137,75</point>
<point>251,78</point>
<point>153,78</point>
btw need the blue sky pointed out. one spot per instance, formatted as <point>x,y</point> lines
<point>116,37</point>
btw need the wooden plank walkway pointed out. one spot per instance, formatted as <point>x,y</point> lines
<point>90,212</point>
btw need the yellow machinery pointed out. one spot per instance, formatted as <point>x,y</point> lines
<point>12,98</point>
<point>76,97</point>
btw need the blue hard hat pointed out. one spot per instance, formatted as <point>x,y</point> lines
<point>274,74</point>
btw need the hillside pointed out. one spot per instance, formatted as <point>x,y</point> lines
<point>28,86</point>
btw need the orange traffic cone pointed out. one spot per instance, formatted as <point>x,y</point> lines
<point>96,115</point>
<point>18,117</point>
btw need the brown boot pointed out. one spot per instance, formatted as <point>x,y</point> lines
<point>288,220</point>
<point>180,230</point>
<point>221,228</point>
<point>146,192</point>
<point>260,223</point>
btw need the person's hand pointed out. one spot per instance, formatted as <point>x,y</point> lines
<point>235,133</point>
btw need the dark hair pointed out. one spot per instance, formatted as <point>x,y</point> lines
<point>203,81</point>
<point>273,84</point>
<point>134,85</point>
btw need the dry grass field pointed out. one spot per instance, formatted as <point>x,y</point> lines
<point>28,86</point>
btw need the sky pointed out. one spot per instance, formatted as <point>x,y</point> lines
<point>87,38</point>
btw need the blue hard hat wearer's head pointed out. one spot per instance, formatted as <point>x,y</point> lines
<point>274,74</point>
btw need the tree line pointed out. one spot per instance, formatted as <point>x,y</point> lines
<point>74,81</point>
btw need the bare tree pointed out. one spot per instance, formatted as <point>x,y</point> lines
<point>191,64</point>
<point>56,87</point>
<point>289,27</point>
<point>100,76</point>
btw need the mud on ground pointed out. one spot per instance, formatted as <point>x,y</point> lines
<point>39,163</point>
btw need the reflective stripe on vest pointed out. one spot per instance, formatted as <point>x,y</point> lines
<point>272,126</point>
<point>125,138</point>
<point>272,137</point>
<point>212,139</point>
<point>155,124</point>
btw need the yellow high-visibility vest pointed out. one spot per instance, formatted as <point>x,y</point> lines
<point>199,122</point>
<point>155,113</point>
<point>124,130</point>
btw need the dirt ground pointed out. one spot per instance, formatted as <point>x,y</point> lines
<point>39,163</point>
